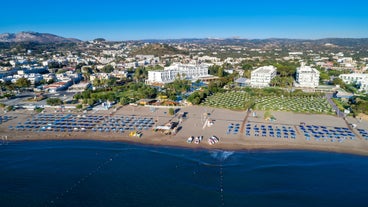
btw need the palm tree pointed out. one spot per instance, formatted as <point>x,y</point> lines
<point>2,85</point>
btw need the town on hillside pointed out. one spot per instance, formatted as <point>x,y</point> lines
<point>331,74</point>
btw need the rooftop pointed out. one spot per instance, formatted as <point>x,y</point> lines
<point>265,69</point>
<point>307,69</point>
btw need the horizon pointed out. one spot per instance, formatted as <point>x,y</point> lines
<point>160,20</point>
<point>190,38</point>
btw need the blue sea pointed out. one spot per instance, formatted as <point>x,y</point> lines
<point>96,173</point>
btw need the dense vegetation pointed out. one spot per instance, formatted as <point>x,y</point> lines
<point>125,94</point>
<point>356,105</point>
<point>54,101</point>
<point>158,50</point>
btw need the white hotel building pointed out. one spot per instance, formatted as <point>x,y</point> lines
<point>169,74</point>
<point>357,78</point>
<point>307,77</point>
<point>261,77</point>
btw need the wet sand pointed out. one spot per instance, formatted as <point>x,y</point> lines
<point>194,125</point>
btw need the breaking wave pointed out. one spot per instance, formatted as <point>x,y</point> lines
<point>221,155</point>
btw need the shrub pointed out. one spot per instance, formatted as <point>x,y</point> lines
<point>171,111</point>
<point>54,101</point>
<point>38,110</point>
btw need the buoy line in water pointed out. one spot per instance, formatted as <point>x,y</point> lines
<point>76,184</point>
<point>222,186</point>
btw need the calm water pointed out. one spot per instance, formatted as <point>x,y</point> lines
<point>92,173</point>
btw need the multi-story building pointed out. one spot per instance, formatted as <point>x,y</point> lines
<point>353,77</point>
<point>34,78</point>
<point>261,77</point>
<point>184,71</point>
<point>360,79</point>
<point>307,77</point>
<point>364,85</point>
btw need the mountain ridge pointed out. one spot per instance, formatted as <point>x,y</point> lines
<point>52,38</point>
<point>35,37</point>
<point>335,41</point>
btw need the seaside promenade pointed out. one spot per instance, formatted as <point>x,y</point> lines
<point>237,130</point>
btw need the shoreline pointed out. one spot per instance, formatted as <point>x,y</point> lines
<point>239,148</point>
<point>193,126</point>
<point>254,146</point>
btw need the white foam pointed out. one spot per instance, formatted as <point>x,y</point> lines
<point>221,155</point>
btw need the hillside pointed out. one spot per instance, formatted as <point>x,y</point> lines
<point>343,42</point>
<point>158,50</point>
<point>35,37</point>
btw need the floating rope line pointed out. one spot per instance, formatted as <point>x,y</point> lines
<point>76,184</point>
<point>222,186</point>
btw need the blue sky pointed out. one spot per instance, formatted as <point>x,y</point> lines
<point>143,19</point>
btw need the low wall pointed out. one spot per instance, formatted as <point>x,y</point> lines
<point>164,107</point>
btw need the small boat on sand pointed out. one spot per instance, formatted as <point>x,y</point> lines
<point>190,139</point>
<point>197,140</point>
<point>213,140</point>
<point>210,141</point>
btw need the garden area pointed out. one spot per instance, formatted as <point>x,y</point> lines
<point>301,103</point>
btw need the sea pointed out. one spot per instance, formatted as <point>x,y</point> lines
<point>97,173</point>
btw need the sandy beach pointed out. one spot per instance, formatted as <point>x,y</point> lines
<point>194,124</point>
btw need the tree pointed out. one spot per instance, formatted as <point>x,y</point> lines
<point>107,69</point>
<point>8,95</point>
<point>51,81</point>
<point>282,81</point>
<point>171,111</point>
<point>140,73</point>
<point>226,66</point>
<point>23,83</point>
<point>86,72</point>
<point>276,81</point>
<point>111,81</point>
<point>324,76</point>
<point>213,70</point>
<point>338,81</point>
<point>60,71</point>
<point>124,100</point>
<point>196,100</point>
<point>247,74</point>
<point>167,63</point>
<point>267,115</point>
<point>54,101</point>
<point>80,66</point>
<point>286,68</point>
<point>2,85</point>
<point>172,97</point>
<point>247,66</point>
<point>97,82</point>
<point>9,86</point>
<point>221,72</point>
<point>91,101</point>
<point>10,108</point>
<point>39,110</point>
<point>55,65</point>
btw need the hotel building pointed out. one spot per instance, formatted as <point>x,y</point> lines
<point>356,78</point>
<point>307,77</point>
<point>169,74</point>
<point>261,77</point>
